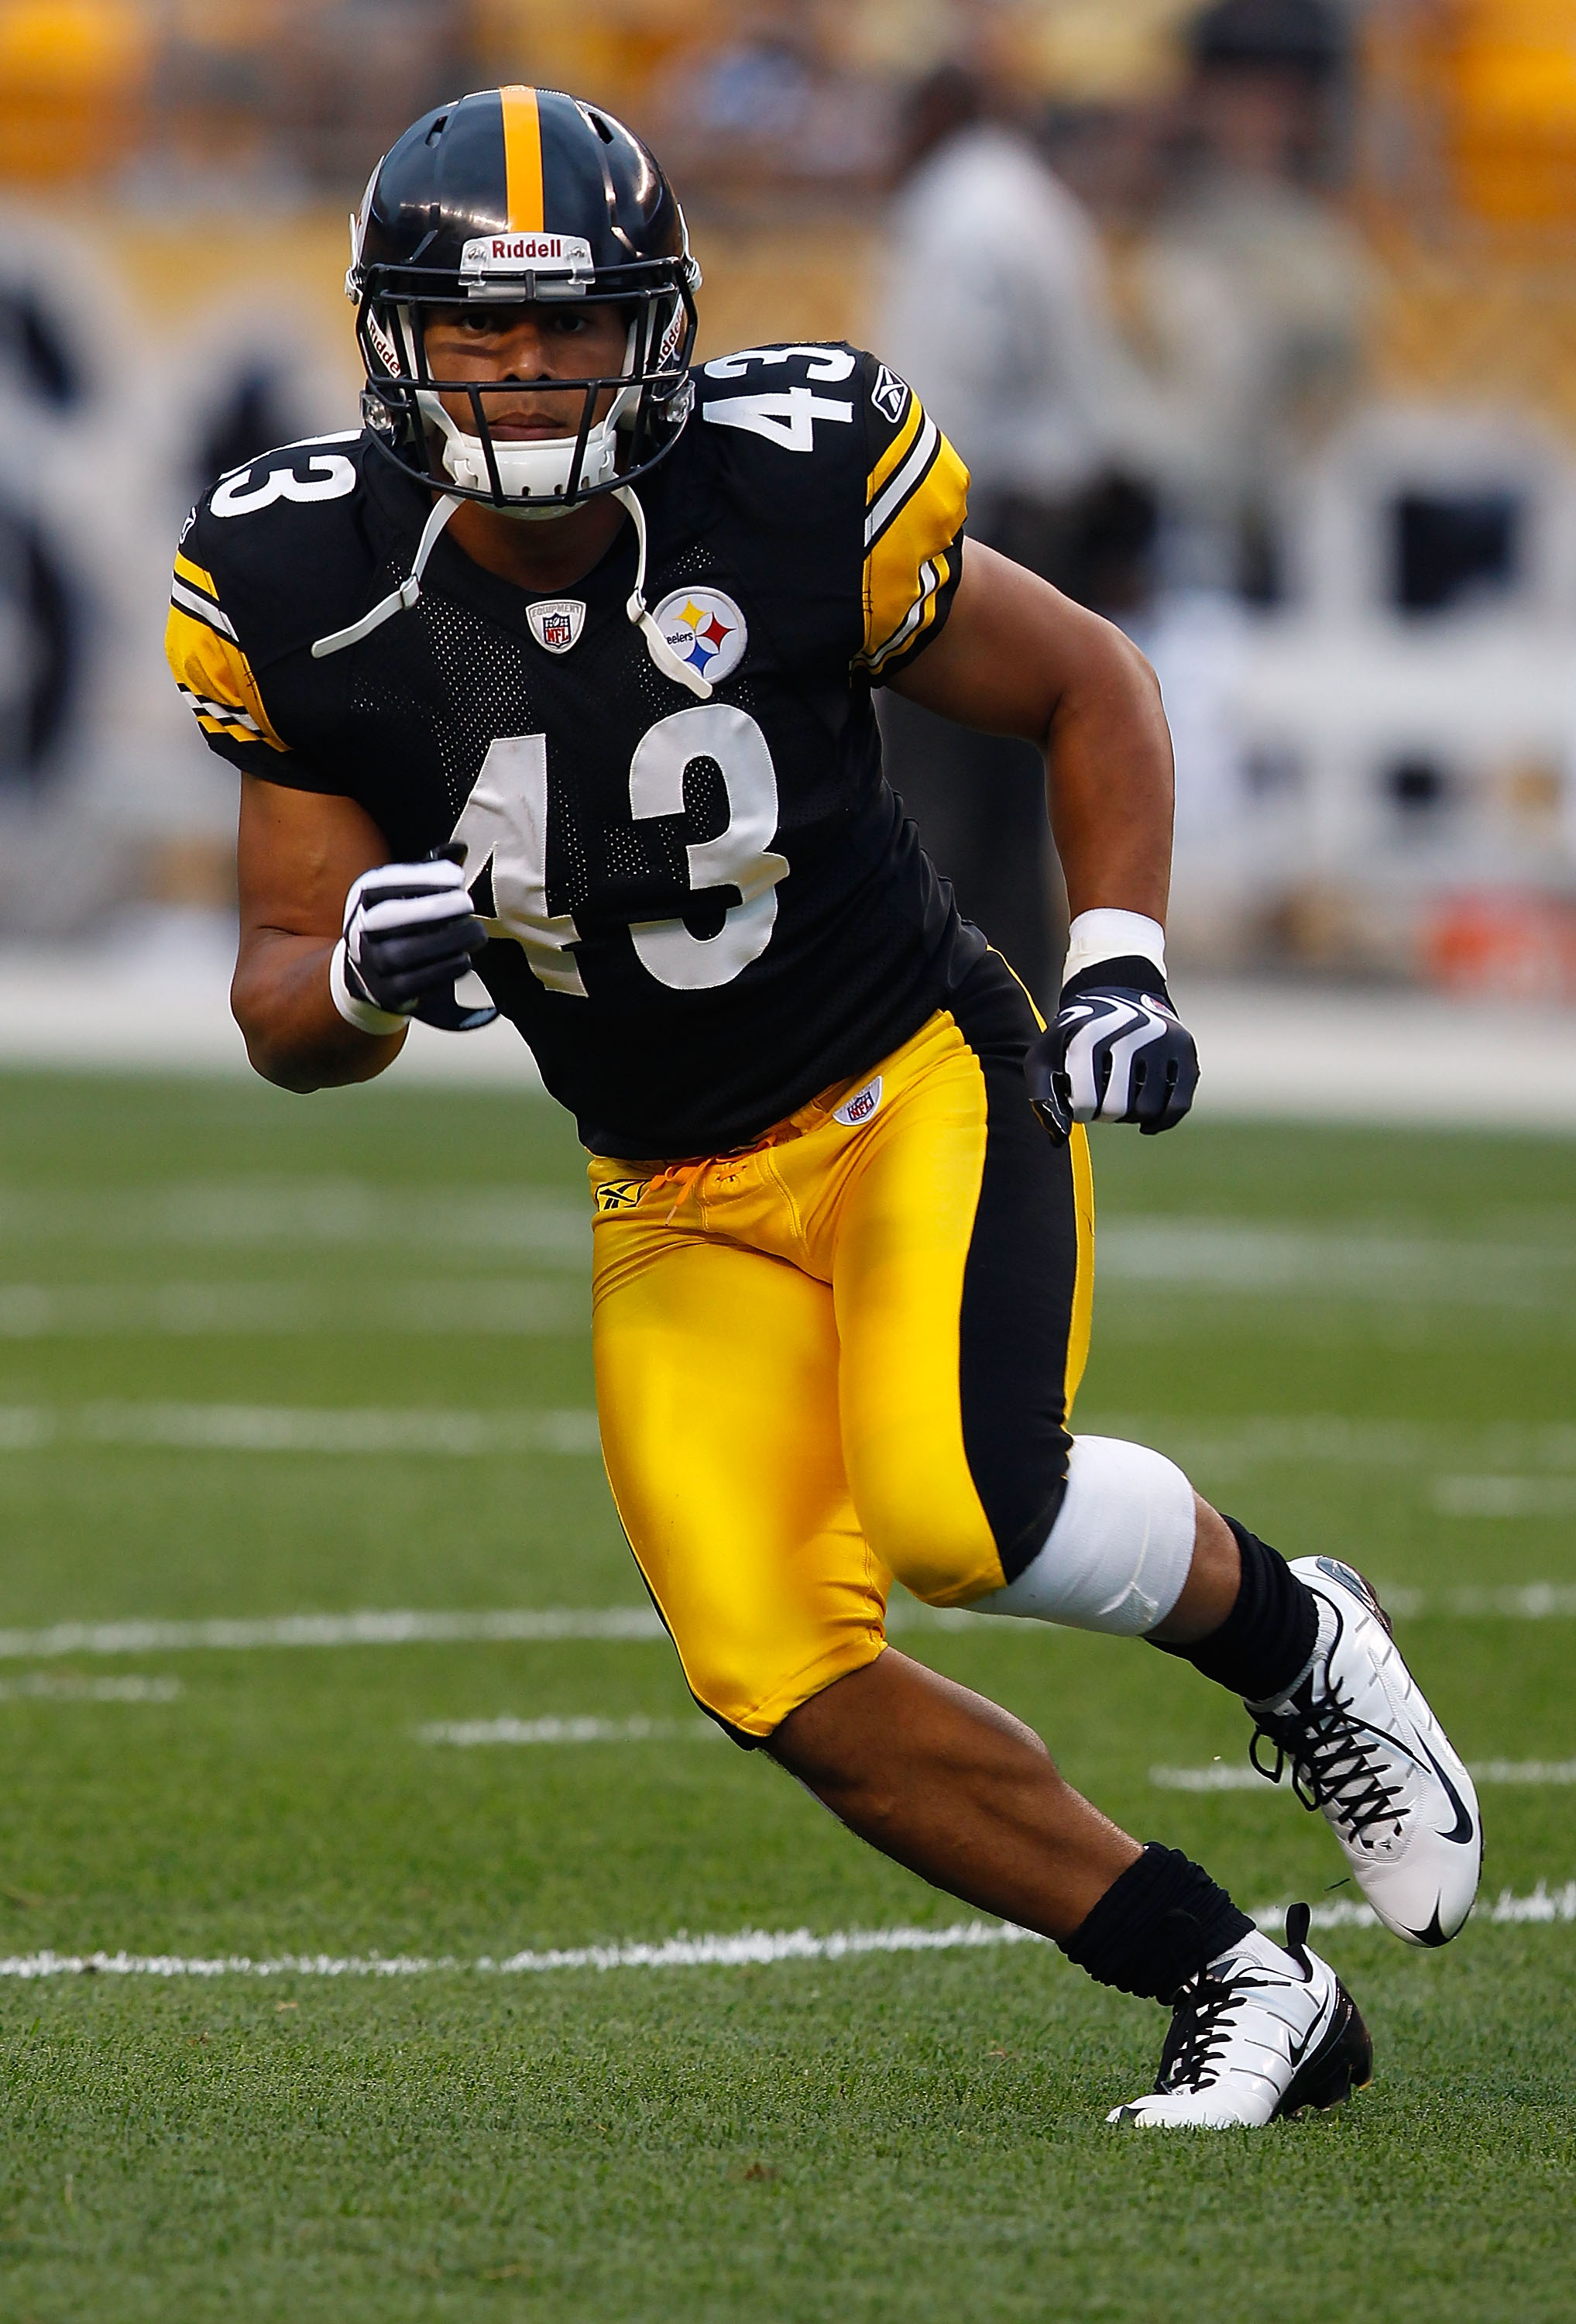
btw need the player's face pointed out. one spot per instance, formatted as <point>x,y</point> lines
<point>524,348</point>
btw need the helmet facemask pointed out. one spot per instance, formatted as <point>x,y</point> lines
<point>647,400</point>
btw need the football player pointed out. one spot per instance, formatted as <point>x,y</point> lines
<point>561,668</point>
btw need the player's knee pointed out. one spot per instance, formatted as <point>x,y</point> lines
<point>1119,1553</point>
<point>942,1554</point>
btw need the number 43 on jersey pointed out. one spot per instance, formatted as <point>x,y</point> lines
<point>504,826</point>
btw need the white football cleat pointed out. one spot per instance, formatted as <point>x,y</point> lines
<point>1259,2034</point>
<point>1364,1748</point>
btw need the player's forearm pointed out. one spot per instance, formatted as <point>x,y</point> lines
<point>1018,658</point>
<point>1109,783</point>
<point>295,1036</point>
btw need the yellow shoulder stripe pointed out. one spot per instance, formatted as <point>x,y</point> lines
<point>215,676</point>
<point>185,570</point>
<point>910,561</point>
<point>522,160</point>
<point>897,450</point>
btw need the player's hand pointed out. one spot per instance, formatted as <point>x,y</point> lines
<point>411,933</point>
<point>1117,1052</point>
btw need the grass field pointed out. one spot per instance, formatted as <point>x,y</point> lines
<point>217,1407</point>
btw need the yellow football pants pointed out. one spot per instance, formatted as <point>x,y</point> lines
<point>845,1353</point>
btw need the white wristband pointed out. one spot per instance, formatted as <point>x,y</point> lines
<point>354,1010</point>
<point>1109,935</point>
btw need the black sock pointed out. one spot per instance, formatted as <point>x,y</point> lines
<point>1155,1926</point>
<point>1265,1640</point>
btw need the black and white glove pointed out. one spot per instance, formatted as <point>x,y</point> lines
<point>1118,1050</point>
<point>411,933</point>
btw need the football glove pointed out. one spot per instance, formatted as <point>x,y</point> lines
<point>410,932</point>
<point>1117,1052</point>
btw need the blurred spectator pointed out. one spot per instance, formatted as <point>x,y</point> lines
<point>765,108</point>
<point>1255,287</point>
<point>995,310</point>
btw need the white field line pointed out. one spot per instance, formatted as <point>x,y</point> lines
<point>1225,1776</point>
<point>555,1229</point>
<point>1245,1256</point>
<point>1225,1254</point>
<point>38,1686</point>
<point>1537,1601</point>
<point>1336,1440</point>
<point>1322,1440</point>
<point>546,1626</point>
<point>522,1307</point>
<point>748,1948</point>
<point>469,1732</point>
<point>292,1428</point>
<point>1506,1497</point>
<point>1542,1905</point>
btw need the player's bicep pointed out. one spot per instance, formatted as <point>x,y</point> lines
<point>297,855</point>
<point>1010,650</point>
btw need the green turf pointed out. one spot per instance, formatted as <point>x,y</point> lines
<point>914,2137</point>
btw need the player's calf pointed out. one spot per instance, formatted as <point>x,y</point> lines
<point>1307,1647</point>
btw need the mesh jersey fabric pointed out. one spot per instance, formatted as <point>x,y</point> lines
<point>701,915</point>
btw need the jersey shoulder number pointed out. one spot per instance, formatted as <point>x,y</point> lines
<point>781,394</point>
<point>307,471</point>
<point>263,564</point>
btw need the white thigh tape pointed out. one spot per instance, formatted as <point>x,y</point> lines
<point>1119,1551</point>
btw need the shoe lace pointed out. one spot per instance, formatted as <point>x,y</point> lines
<point>1201,2030</point>
<point>1201,2025</point>
<point>1335,1762</point>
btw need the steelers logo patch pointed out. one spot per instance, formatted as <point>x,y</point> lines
<point>706,629</point>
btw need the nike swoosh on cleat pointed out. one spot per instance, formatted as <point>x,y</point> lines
<point>1465,1828</point>
<point>1433,1935</point>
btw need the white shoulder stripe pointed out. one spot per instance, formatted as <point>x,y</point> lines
<point>203,609</point>
<point>904,482</point>
<point>929,582</point>
<point>228,712</point>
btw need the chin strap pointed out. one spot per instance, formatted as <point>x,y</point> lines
<point>657,646</point>
<point>400,600</point>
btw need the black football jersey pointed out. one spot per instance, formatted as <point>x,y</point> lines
<point>700,913</point>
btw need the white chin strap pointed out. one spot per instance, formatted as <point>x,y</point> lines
<point>400,600</point>
<point>538,476</point>
<point>657,646</point>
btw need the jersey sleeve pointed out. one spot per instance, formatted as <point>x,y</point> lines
<point>917,497</point>
<point>211,670</point>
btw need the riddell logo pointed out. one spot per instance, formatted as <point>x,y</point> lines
<point>527,246</point>
<point>518,254</point>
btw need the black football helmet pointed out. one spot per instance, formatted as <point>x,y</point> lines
<point>514,195</point>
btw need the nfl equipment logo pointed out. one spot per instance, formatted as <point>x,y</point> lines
<point>860,1107</point>
<point>555,622</point>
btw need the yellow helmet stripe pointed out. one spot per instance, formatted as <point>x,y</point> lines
<point>522,159</point>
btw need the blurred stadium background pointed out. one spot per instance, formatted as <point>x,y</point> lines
<point>1330,484</point>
